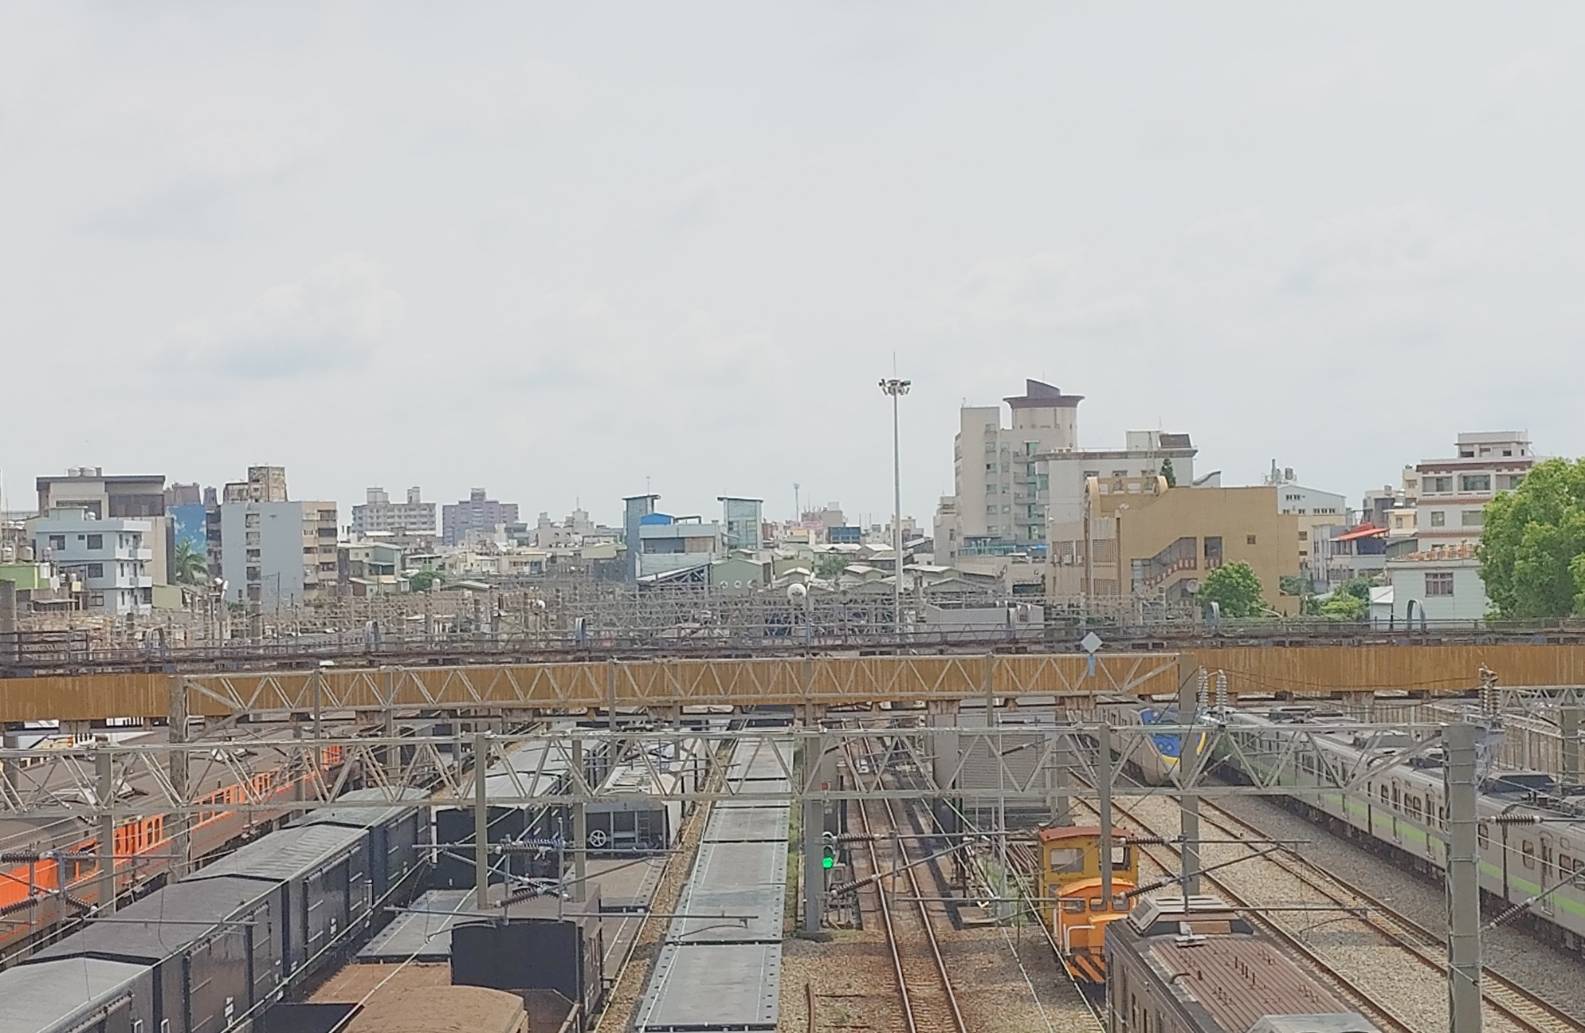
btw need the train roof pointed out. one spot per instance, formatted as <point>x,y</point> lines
<point>439,1009</point>
<point>284,854</point>
<point>364,817</point>
<point>162,924</point>
<point>1224,975</point>
<point>59,994</point>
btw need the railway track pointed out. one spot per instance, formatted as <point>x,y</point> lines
<point>924,987</point>
<point>1504,998</point>
<point>1507,997</point>
<point>1165,857</point>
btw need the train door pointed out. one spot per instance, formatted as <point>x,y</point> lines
<point>1548,874</point>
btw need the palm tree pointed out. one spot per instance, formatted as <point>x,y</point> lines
<point>190,565</point>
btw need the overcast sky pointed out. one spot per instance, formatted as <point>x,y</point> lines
<point>567,250</point>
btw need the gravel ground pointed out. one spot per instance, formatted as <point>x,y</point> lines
<point>1509,950</point>
<point>1005,980</point>
<point>1370,961</point>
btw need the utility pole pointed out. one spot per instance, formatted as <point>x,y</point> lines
<point>104,777</point>
<point>1463,881</point>
<point>1103,787</point>
<point>813,824</point>
<point>1189,691</point>
<point>580,819</point>
<point>177,727</point>
<point>481,823</point>
<point>896,389</point>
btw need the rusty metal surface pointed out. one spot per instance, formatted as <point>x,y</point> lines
<point>1253,670</point>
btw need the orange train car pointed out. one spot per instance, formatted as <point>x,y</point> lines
<point>1070,891</point>
<point>31,899</point>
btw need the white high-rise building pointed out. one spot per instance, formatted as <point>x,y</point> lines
<point>997,483</point>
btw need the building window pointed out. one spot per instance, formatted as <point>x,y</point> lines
<point>1249,539</point>
<point>57,541</point>
<point>96,541</point>
<point>1472,518</point>
<point>1439,582</point>
<point>96,599</point>
<point>1304,536</point>
<point>1475,482</point>
<point>1438,518</point>
<point>1213,552</point>
<point>96,570</point>
<point>1433,485</point>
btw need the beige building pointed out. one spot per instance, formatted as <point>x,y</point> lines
<point>115,496</point>
<point>1451,494</point>
<point>264,484</point>
<point>1140,539</point>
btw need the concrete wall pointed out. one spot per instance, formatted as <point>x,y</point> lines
<point>1467,603</point>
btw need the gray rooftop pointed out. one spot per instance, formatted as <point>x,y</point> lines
<point>284,854</point>
<point>55,995</point>
<point>156,927</point>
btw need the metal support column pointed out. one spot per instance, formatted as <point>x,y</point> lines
<point>580,823</point>
<point>1103,788</point>
<point>178,822</point>
<point>1463,881</point>
<point>1568,724</point>
<point>1188,764</point>
<point>481,821</point>
<point>104,780</point>
<point>812,825</point>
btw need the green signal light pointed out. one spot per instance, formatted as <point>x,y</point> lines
<point>828,861</point>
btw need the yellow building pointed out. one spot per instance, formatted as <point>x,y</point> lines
<point>1138,538</point>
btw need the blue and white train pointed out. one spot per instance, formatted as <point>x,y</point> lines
<point>1400,811</point>
<point>1154,760</point>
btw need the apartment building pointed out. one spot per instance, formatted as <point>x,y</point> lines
<point>110,556</point>
<point>116,496</point>
<point>1451,494</point>
<point>278,553</point>
<point>742,522</point>
<point>1140,539</point>
<point>1443,582</point>
<point>995,476</point>
<point>378,513</point>
<point>667,543</point>
<point>475,513</point>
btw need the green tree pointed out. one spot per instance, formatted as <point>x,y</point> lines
<point>830,565</point>
<point>1169,473</point>
<point>189,565</point>
<point>1532,547</point>
<point>1342,606</point>
<point>1358,587</point>
<point>1235,589</point>
<point>425,579</point>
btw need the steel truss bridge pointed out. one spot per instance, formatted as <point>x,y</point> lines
<point>664,684</point>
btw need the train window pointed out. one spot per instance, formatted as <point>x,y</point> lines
<point>1120,902</point>
<point>1120,857</point>
<point>1395,795</point>
<point>1528,850</point>
<point>1073,905</point>
<point>1565,863</point>
<point>1097,903</point>
<point>1067,859</point>
<point>1483,833</point>
<point>1383,794</point>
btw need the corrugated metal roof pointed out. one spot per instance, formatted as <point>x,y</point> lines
<point>285,854</point>
<point>1240,980</point>
<point>53,995</point>
<point>157,926</point>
